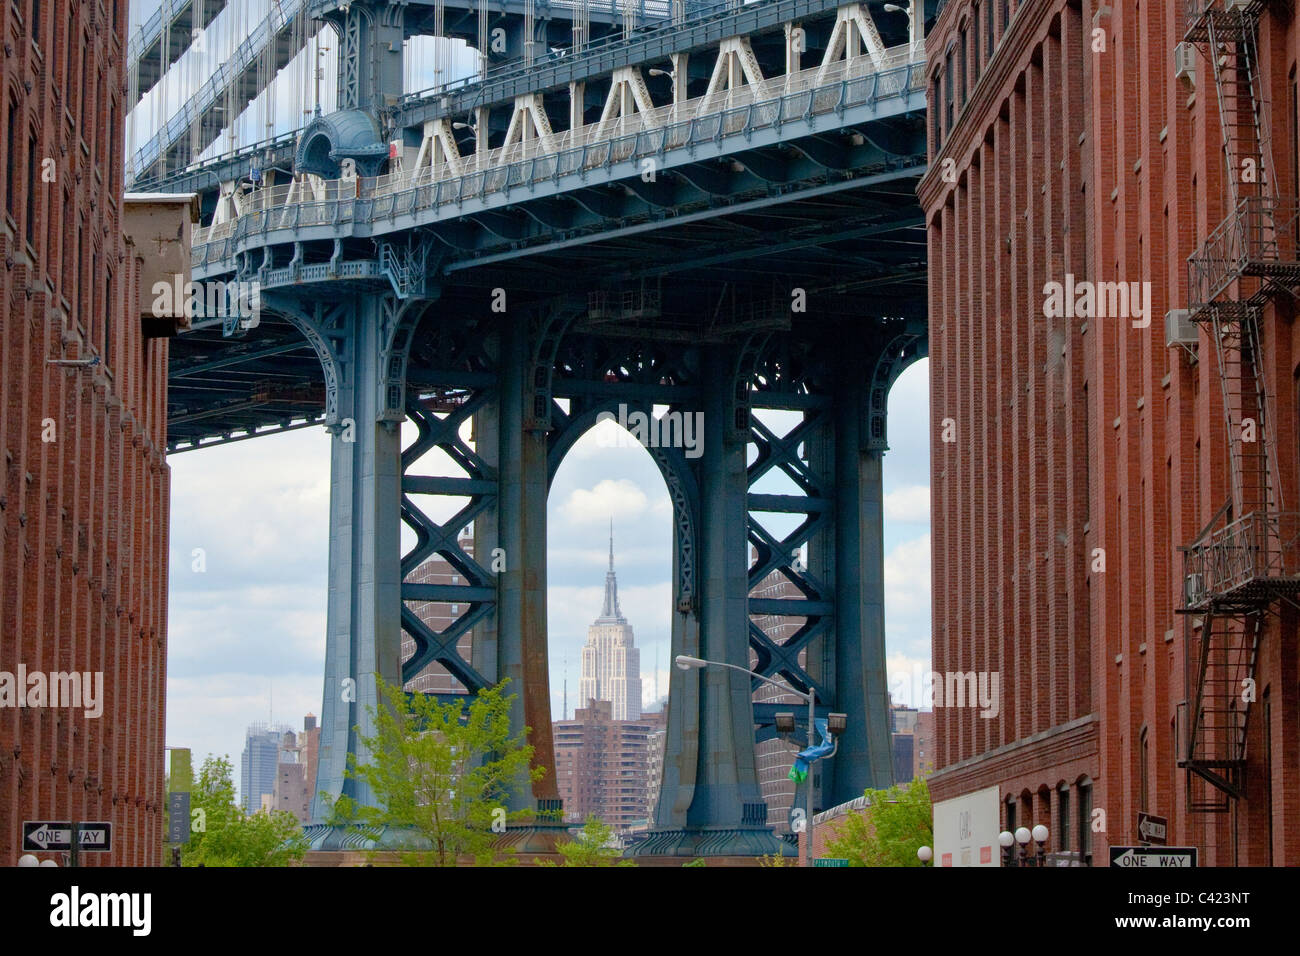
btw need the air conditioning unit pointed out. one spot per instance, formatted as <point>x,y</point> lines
<point>1185,63</point>
<point>1191,588</point>
<point>1180,329</point>
<point>1237,6</point>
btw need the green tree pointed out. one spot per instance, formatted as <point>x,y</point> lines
<point>223,835</point>
<point>593,846</point>
<point>443,771</point>
<point>895,824</point>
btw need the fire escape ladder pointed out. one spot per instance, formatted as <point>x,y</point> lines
<point>1249,555</point>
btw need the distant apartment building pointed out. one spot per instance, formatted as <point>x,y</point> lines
<point>295,776</point>
<point>654,768</point>
<point>911,731</point>
<point>602,765</point>
<point>611,663</point>
<point>922,748</point>
<point>438,616</point>
<point>257,769</point>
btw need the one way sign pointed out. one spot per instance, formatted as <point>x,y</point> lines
<point>1153,856</point>
<point>1152,829</point>
<point>47,835</point>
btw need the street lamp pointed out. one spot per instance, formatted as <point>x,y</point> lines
<point>913,25</point>
<point>28,859</point>
<point>925,855</point>
<point>686,663</point>
<point>1008,840</point>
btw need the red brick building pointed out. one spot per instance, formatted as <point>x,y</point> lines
<point>83,480</point>
<point>1081,440</point>
<point>438,616</point>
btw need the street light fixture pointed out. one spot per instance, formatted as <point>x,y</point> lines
<point>925,855</point>
<point>914,25</point>
<point>686,663</point>
<point>1023,836</point>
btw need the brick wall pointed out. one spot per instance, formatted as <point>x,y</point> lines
<point>1082,443</point>
<point>83,552</point>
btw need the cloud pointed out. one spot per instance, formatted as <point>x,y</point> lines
<point>910,503</point>
<point>610,498</point>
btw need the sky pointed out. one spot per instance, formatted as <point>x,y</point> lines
<point>248,565</point>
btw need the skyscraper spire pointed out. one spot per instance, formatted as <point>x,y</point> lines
<point>611,612</point>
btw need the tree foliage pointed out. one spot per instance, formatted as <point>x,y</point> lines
<point>443,771</point>
<point>895,824</point>
<point>223,835</point>
<point>595,846</point>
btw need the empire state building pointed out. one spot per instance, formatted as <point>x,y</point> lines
<point>611,664</point>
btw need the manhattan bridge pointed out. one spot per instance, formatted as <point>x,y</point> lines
<point>659,205</point>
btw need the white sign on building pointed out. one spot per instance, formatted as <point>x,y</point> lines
<point>966,830</point>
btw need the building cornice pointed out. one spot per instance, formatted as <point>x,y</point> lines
<point>1056,745</point>
<point>969,127</point>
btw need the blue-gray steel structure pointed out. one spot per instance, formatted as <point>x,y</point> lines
<point>728,234</point>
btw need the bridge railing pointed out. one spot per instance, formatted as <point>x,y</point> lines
<point>699,120</point>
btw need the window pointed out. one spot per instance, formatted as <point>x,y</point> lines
<point>949,77</point>
<point>1144,793</point>
<point>961,78</point>
<point>68,270</point>
<point>11,170</point>
<point>33,177</point>
<point>1006,15</point>
<point>936,118</point>
<point>1295,144</point>
<point>1085,821</point>
<point>34,21</point>
<point>90,312</point>
<point>1063,821</point>
<point>990,31</point>
<point>107,330</point>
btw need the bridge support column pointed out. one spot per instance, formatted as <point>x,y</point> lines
<point>861,685</point>
<point>521,623</point>
<point>720,810</point>
<point>363,639</point>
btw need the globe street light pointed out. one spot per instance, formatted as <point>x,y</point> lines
<point>925,855</point>
<point>1023,836</point>
<point>686,662</point>
<point>28,859</point>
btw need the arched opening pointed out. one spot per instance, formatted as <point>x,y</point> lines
<point>609,625</point>
<point>906,487</point>
<point>247,585</point>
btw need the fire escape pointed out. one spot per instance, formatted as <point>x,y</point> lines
<point>1247,559</point>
